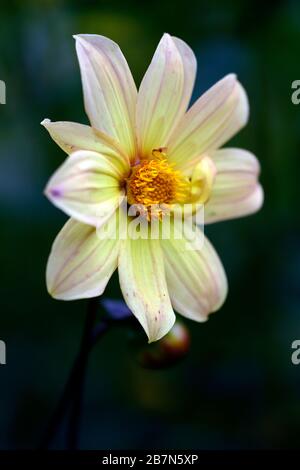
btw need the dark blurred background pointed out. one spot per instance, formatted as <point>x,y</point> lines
<point>237,388</point>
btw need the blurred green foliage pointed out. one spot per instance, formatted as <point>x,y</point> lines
<point>237,388</point>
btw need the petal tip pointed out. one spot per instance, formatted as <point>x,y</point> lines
<point>231,76</point>
<point>77,37</point>
<point>45,122</point>
<point>259,198</point>
<point>51,292</point>
<point>154,334</point>
<point>243,104</point>
<point>80,40</point>
<point>167,36</point>
<point>50,284</point>
<point>222,299</point>
<point>56,295</point>
<point>53,192</point>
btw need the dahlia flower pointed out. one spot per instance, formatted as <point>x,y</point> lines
<point>148,147</point>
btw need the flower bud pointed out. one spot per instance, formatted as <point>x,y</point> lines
<point>165,352</point>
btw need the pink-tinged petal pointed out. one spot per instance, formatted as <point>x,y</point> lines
<point>164,93</point>
<point>235,192</point>
<point>80,264</point>
<point>195,277</point>
<point>71,136</point>
<point>215,117</point>
<point>247,205</point>
<point>87,187</point>
<point>143,284</point>
<point>189,63</point>
<point>108,87</point>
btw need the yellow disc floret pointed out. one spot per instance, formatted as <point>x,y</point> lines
<point>154,185</point>
<point>155,182</point>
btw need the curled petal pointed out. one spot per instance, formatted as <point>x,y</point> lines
<point>80,263</point>
<point>108,87</point>
<point>87,187</point>
<point>164,93</point>
<point>199,189</point>
<point>202,180</point>
<point>235,192</point>
<point>195,276</point>
<point>215,117</point>
<point>143,283</point>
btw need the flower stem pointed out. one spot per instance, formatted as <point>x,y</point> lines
<point>74,387</point>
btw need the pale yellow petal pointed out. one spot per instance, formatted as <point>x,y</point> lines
<point>80,264</point>
<point>189,63</point>
<point>71,136</point>
<point>108,87</point>
<point>87,187</point>
<point>215,117</point>
<point>164,93</point>
<point>143,284</point>
<point>195,277</point>
<point>236,191</point>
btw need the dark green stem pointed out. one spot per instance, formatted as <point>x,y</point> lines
<point>73,391</point>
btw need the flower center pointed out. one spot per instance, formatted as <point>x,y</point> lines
<point>154,182</point>
<point>154,185</point>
